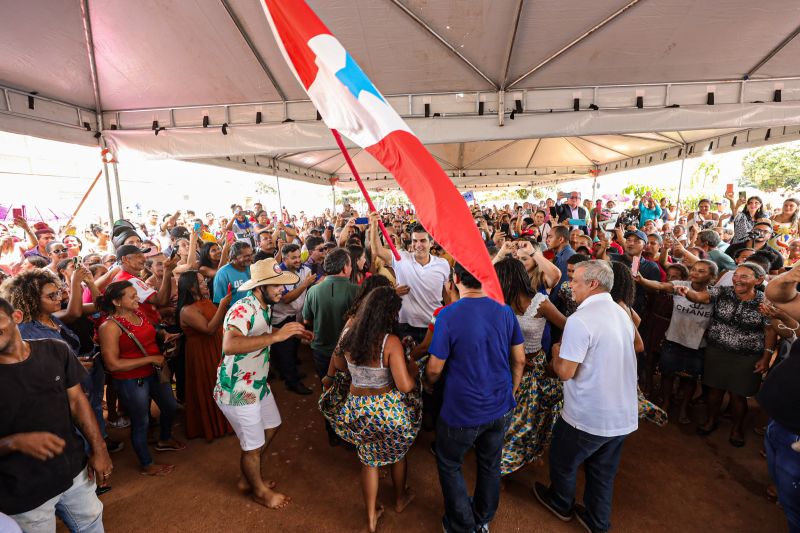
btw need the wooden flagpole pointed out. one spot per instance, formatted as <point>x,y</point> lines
<point>372,209</point>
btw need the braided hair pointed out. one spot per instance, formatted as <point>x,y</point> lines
<point>24,291</point>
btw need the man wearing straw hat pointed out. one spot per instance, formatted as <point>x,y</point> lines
<point>241,391</point>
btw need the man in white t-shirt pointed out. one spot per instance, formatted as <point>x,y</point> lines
<point>421,279</point>
<point>597,362</point>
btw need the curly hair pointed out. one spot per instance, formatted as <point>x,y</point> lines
<point>623,289</point>
<point>24,291</point>
<point>514,281</point>
<point>377,316</point>
<point>370,284</point>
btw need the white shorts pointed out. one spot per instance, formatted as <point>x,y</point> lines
<point>250,421</point>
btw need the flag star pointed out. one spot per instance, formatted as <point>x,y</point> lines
<point>355,80</point>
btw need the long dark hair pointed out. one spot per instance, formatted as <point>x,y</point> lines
<point>370,284</point>
<point>759,213</point>
<point>377,316</point>
<point>186,282</point>
<point>623,289</point>
<point>514,281</point>
<point>105,302</point>
<point>355,254</point>
<point>205,255</point>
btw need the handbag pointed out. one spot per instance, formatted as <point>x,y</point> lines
<point>164,375</point>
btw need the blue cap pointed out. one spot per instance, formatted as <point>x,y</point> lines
<point>638,233</point>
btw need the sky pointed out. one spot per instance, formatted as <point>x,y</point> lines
<point>63,173</point>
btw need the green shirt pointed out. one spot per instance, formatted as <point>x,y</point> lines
<point>723,261</point>
<point>325,306</point>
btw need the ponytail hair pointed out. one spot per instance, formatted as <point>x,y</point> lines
<point>105,302</point>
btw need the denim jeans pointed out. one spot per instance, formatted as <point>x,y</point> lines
<point>135,395</point>
<point>784,469</point>
<point>78,507</point>
<point>407,330</point>
<point>600,457</point>
<point>98,381</point>
<point>462,513</point>
<point>283,355</point>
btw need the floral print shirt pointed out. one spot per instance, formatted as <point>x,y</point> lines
<point>736,326</point>
<point>242,378</point>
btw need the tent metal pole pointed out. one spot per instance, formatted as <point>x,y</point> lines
<point>253,49</point>
<point>577,40</point>
<point>512,38</point>
<point>772,53</point>
<point>119,192</point>
<point>280,200</point>
<point>442,40</point>
<point>680,183</point>
<point>89,41</point>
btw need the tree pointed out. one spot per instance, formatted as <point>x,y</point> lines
<point>638,191</point>
<point>265,188</point>
<point>522,194</point>
<point>708,171</point>
<point>772,169</point>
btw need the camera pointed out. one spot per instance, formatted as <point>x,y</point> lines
<point>629,217</point>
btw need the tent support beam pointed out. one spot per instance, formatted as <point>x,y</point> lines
<point>512,38</point>
<point>413,16</point>
<point>589,159</point>
<point>490,154</point>
<point>603,147</point>
<point>256,53</point>
<point>772,53</point>
<point>577,40</point>
<point>87,34</point>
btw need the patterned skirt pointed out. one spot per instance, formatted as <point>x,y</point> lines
<point>382,427</point>
<point>539,401</point>
<point>650,411</point>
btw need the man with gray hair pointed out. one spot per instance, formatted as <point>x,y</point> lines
<point>597,361</point>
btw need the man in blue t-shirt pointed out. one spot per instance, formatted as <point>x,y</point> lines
<point>235,274</point>
<point>481,342</point>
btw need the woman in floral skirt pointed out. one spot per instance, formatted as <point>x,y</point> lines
<point>382,413</point>
<point>539,397</point>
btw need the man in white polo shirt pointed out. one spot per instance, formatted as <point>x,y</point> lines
<point>597,361</point>
<point>421,278</point>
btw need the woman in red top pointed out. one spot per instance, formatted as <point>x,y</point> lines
<point>135,378</point>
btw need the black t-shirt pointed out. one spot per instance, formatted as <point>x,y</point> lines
<point>776,259</point>
<point>33,397</point>
<point>779,395</point>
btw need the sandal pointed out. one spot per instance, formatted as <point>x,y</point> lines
<point>172,446</point>
<point>737,442</point>
<point>707,431</point>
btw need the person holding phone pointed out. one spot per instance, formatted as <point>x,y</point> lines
<point>633,246</point>
<point>571,212</point>
<point>649,209</point>
<point>744,221</point>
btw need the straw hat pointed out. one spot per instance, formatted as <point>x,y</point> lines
<point>267,272</point>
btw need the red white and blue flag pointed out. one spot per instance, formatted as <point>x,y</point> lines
<point>349,102</point>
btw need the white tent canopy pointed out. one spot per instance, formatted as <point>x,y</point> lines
<point>502,92</point>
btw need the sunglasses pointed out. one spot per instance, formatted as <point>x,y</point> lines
<point>59,250</point>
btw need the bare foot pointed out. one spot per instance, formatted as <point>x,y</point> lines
<point>244,486</point>
<point>272,500</point>
<point>373,522</point>
<point>157,470</point>
<point>402,503</point>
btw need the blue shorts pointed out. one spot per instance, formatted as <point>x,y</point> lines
<point>678,359</point>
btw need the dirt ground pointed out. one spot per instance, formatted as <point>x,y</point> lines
<point>669,480</point>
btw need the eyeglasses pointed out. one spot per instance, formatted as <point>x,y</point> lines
<point>59,250</point>
<point>55,296</point>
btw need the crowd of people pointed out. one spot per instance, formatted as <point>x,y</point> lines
<point>611,314</point>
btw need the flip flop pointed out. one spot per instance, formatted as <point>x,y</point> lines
<point>175,446</point>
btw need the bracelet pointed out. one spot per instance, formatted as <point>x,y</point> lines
<point>781,325</point>
<point>329,377</point>
<point>769,350</point>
